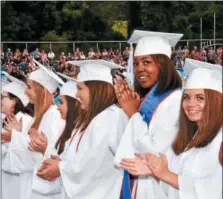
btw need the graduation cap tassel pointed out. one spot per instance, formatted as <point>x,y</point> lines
<point>130,70</point>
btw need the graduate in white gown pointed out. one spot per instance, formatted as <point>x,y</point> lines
<point>86,168</point>
<point>17,116</point>
<point>69,107</point>
<point>24,153</point>
<point>192,168</point>
<point>153,108</point>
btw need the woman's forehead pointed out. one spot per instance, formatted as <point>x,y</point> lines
<point>194,91</point>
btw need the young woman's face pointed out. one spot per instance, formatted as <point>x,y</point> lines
<point>63,107</point>
<point>30,92</point>
<point>8,105</point>
<point>193,104</point>
<point>83,93</point>
<point>146,71</point>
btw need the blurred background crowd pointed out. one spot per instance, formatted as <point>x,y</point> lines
<point>21,61</point>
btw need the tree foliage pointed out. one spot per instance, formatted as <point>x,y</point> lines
<point>86,20</point>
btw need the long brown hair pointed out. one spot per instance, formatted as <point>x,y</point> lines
<point>102,95</point>
<point>73,113</point>
<point>44,101</point>
<point>168,77</point>
<point>208,128</point>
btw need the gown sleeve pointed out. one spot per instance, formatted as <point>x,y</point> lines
<point>21,158</point>
<point>155,138</point>
<point>18,141</point>
<point>52,126</point>
<point>93,158</point>
<point>114,139</point>
<point>196,182</point>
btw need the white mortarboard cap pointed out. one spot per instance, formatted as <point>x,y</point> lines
<point>4,82</point>
<point>47,78</point>
<point>203,75</point>
<point>65,76</point>
<point>17,88</point>
<point>70,87</point>
<point>149,42</point>
<point>99,70</point>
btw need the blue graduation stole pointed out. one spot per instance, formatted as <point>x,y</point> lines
<point>56,99</point>
<point>148,106</point>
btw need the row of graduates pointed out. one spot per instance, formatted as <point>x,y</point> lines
<point>106,140</point>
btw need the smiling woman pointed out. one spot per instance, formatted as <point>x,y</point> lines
<point>192,166</point>
<point>152,69</point>
<point>200,112</point>
<point>193,104</point>
<point>150,128</point>
<point>194,161</point>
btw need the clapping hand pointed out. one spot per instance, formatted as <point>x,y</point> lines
<point>12,123</point>
<point>137,166</point>
<point>128,99</point>
<point>6,137</point>
<point>158,165</point>
<point>50,169</point>
<point>38,141</point>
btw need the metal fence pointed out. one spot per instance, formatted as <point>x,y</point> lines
<point>70,46</point>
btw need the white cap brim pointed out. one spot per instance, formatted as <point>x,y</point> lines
<point>95,70</point>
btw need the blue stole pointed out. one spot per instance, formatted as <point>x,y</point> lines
<point>148,106</point>
<point>56,99</point>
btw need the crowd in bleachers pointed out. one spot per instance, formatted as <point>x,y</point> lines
<point>21,62</point>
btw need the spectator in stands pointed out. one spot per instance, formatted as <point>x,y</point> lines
<point>36,54</point>
<point>180,52</point>
<point>17,56</point>
<point>211,55</point>
<point>69,57</point>
<point>125,54</point>
<point>174,57</point>
<point>8,52</point>
<point>9,58</point>
<point>43,57</point>
<point>82,56</point>
<point>77,52</point>
<point>193,52</point>
<point>62,56</point>
<point>32,64</point>
<point>51,56</point>
<point>25,53</point>
<point>98,54</point>
<point>104,54</point>
<point>203,55</point>
<point>219,55</point>
<point>62,62</point>
<point>179,64</point>
<point>2,55</point>
<point>91,53</point>
<point>185,53</point>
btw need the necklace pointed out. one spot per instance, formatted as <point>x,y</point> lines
<point>190,141</point>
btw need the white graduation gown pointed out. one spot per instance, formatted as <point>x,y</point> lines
<point>10,179</point>
<point>155,138</point>
<point>90,172</point>
<point>23,161</point>
<point>4,147</point>
<point>199,172</point>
